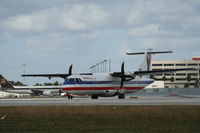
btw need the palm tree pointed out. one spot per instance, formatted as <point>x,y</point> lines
<point>196,83</point>
<point>164,79</point>
<point>188,78</point>
<point>172,79</point>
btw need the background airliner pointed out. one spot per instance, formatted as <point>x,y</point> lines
<point>112,83</point>
<point>33,90</point>
<point>12,95</point>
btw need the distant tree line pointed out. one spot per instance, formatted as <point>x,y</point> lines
<point>47,84</point>
<point>18,83</point>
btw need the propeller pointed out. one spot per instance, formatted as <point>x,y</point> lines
<point>120,92</point>
<point>123,78</point>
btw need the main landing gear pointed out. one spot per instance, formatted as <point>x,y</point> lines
<point>94,97</point>
<point>121,96</point>
<point>70,97</point>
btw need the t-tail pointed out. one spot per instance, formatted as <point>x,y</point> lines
<point>146,64</point>
<point>4,84</point>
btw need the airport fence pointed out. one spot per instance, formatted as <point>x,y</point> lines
<point>168,91</point>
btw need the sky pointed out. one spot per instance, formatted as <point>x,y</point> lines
<point>49,35</point>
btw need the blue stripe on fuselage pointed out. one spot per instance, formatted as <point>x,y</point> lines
<point>107,82</point>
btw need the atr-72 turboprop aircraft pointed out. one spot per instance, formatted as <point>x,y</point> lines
<point>109,84</point>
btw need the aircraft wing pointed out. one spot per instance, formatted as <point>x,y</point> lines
<point>151,72</point>
<point>121,75</point>
<point>64,76</point>
<point>140,73</point>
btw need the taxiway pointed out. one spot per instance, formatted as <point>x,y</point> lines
<point>140,100</point>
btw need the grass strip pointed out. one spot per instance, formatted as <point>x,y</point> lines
<point>107,119</point>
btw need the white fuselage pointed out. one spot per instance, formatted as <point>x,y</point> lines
<point>102,84</point>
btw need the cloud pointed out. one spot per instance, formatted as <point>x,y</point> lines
<point>135,18</point>
<point>189,25</point>
<point>81,17</point>
<point>75,18</point>
<point>147,30</point>
<point>58,33</point>
<point>25,23</point>
<point>157,31</point>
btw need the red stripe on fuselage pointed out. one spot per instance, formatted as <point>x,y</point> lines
<point>100,88</point>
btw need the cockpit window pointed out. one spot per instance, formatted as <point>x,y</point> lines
<point>73,80</point>
<point>78,79</point>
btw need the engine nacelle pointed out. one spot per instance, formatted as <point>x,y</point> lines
<point>47,93</point>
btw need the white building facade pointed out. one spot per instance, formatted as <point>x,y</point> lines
<point>180,79</point>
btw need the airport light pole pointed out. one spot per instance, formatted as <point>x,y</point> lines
<point>101,66</point>
<point>24,71</point>
<point>105,61</point>
<point>109,65</point>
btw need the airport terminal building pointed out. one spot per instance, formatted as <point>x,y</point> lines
<point>179,79</point>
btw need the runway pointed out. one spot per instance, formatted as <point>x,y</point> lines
<point>141,100</point>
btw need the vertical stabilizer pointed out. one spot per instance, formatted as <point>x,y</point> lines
<point>5,84</point>
<point>146,64</point>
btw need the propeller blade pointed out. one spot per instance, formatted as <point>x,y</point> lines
<point>60,91</point>
<point>70,69</point>
<point>122,68</point>
<point>122,78</point>
<point>122,83</point>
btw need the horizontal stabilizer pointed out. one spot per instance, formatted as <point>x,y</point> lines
<point>149,52</point>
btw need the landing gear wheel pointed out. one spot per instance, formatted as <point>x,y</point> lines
<point>94,97</point>
<point>121,96</point>
<point>70,97</point>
